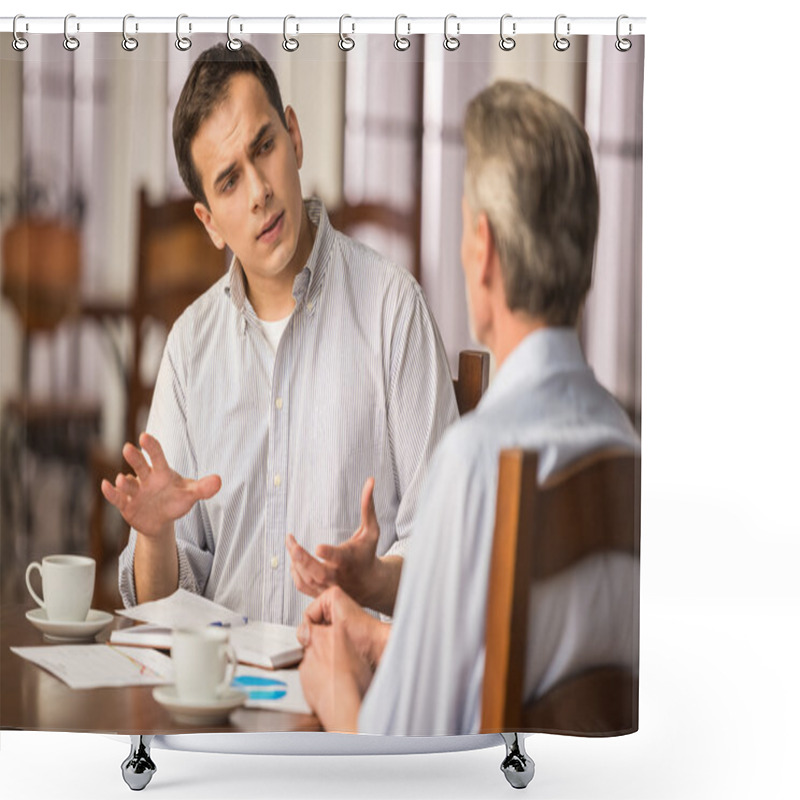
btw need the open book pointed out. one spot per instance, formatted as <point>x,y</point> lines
<point>262,644</point>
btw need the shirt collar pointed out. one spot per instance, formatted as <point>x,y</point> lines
<point>540,355</point>
<point>308,282</point>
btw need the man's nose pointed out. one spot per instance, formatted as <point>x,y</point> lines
<point>259,187</point>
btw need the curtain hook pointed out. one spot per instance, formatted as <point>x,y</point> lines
<point>345,42</point>
<point>70,42</point>
<point>623,45</point>
<point>400,42</point>
<point>290,43</point>
<point>451,42</point>
<point>561,43</point>
<point>18,42</point>
<point>232,43</point>
<point>129,43</point>
<point>183,43</point>
<point>507,42</point>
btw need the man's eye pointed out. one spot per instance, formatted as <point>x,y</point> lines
<point>228,185</point>
<point>267,145</point>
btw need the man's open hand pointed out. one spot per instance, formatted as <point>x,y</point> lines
<point>353,566</point>
<point>155,496</point>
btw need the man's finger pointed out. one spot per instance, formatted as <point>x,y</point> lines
<point>127,484</point>
<point>304,633</point>
<point>311,568</point>
<point>330,553</point>
<point>319,612</point>
<point>113,495</point>
<point>153,448</point>
<point>137,460</point>
<point>291,544</point>
<point>367,504</point>
<point>206,487</point>
<point>302,585</point>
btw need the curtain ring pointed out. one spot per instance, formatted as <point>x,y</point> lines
<point>623,45</point>
<point>507,42</point>
<point>129,43</point>
<point>451,42</point>
<point>70,42</point>
<point>18,42</point>
<point>561,43</point>
<point>183,43</point>
<point>232,43</point>
<point>400,42</point>
<point>345,42</point>
<point>290,44</point>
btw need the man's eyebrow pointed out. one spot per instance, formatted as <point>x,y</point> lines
<point>260,135</point>
<point>224,174</point>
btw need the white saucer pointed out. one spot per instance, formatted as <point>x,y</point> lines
<point>69,631</point>
<point>211,713</point>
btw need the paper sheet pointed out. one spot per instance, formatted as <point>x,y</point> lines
<point>92,666</point>
<point>183,609</point>
<point>277,690</point>
<point>266,644</point>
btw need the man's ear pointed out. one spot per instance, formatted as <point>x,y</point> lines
<point>205,216</point>
<point>484,249</point>
<point>293,126</point>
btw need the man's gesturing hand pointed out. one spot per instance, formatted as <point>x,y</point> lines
<point>353,566</point>
<point>156,495</point>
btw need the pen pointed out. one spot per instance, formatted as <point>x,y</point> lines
<point>143,668</point>
<point>220,624</point>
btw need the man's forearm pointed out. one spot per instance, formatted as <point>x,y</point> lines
<point>385,584</point>
<point>377,642</point>
<point>345,712</point>
<point>155,566</point>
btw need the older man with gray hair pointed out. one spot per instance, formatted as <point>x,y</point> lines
<point>530,217</point>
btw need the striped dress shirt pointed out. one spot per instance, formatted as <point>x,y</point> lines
<point>359,386</point>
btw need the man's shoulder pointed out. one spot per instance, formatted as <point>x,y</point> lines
<point>203,313</point>
<point>363,262</point>
<point>468,442</point>
<point>209,301</point>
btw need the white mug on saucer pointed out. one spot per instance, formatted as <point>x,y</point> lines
<point>204,663</point>
<point>67,586</point>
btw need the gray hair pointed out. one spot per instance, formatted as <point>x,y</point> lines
<point>530,169</point>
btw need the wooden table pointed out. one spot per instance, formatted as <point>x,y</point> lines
<point>33,699</point>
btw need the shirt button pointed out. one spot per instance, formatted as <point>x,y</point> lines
<point>274,562</point>
<point>279,403</point>
<point>277,480</point>
<point>310,305</point>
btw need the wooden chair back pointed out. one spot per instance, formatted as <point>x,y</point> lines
<point>176,263</point>
<point>472,380</point>
<point>591,507</point>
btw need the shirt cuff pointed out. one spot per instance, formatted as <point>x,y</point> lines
<point>186,576</point>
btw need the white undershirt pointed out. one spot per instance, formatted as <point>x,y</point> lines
<point>274,330</point>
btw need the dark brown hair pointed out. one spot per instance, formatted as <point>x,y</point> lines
<point>530,169</point>
<point>205,88</point>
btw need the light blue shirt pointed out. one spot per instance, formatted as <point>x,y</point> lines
<point>359,386</point>
<point>430,679</point>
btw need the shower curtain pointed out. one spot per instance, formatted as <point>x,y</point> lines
<point>84,131</point>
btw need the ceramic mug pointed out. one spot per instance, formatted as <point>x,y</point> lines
<point>67,586</point>
<point>204,663</point>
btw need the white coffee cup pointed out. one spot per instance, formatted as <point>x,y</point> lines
<point>204,663</point>
<point>67,586</point>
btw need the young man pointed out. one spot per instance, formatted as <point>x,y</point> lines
<point>530,213</point>
<point>311,365</point>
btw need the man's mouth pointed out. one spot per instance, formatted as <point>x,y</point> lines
<point>269,231</point>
